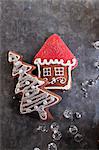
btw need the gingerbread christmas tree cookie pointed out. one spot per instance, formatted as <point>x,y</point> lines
<point>34,95</point>
<point>55,63</point>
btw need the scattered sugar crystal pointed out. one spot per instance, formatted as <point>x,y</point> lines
<point>36,148</point>
<point>96,44</point>
<point>52,146</point>
<point>68,114</point>
<point>54,126</point>
<point>73,129</point>
<point>57,135</point>
<point>78,137</point>
<point>78,115</point>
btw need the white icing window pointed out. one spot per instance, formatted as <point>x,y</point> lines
<point>59,71</point>
<point>46,71</point>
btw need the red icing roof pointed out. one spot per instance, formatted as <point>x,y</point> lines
<point>55,48</point>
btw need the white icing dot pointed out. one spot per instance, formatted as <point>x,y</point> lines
<point>40,82</point>
<point>29,101</point>
<point>10,59</point>
<point>68,62</point>
<point>27,82</point>
<point>27,94</point>
<point>52,98</point>
<point>17,63</point>
<point>17,89</point>
<point>33,87</point>
<point>21,71</point>
<point>28,110</point>
<point>44,102</point>
<point>36,107</point>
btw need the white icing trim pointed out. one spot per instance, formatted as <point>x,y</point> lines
<point>56,61</point>
<point>38,62</point>
<point>12,57</point>
<point>62,80</point>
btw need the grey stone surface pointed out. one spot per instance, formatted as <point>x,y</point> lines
<point>25,25</point>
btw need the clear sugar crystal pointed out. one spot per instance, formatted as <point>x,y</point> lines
<point>78,115</point>
<point>96,64</point>
<point>52,146</point>
<point>73,129</point>
<point>68,114</point>
<point>54,126</point>
<point>57,135</point>
<point>96,44</point>
<point>91,82</point>
<point>78,137</point>
<point>36,148</point>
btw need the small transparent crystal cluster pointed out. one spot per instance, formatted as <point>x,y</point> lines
<point>73,130</point>
<point>86,84</point>
<point>57,135</point>
<point>55,128</point>
<point>69,114</point>
<point>91,82</point>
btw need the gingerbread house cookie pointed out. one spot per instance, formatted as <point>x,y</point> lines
<point>55,62</point>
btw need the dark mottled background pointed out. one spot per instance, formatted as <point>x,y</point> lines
<point>25,25</point>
